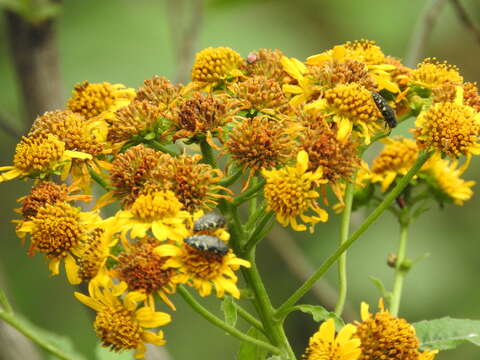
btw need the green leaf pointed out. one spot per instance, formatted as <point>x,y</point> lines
<point>229,310</point>
<point>249,351</point>
<point>102,353</point>
<point>319,313</point>
<point>447,333</point>
<point>276,357</point>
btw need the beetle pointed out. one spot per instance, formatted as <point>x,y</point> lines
<point>387,112</point>
<point>207,243</point>
<point>209,221</point>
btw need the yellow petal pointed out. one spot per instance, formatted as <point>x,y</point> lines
<point>147,318</point>
<point>327,331</point>
<point>71,268</point>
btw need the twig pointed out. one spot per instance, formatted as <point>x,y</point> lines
<point>294,258</point>
<point>35,57</point>
<point>183,40</point>
<point>422,31</point>
<point>8,129</point>
<point>465,19</point>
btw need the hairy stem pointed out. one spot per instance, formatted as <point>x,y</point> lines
<point>303,289</point>
<point>189,299</point>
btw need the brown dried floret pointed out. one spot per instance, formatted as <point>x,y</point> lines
<point>158,91</point>
<point>44,192</point>
<point>262,93</point>
<point>266,62</point>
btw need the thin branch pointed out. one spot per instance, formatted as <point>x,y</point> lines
<point>8,129</point>
<point>422,31</point>
<point>299,266</point>
<point>465,19</point>
<point>184,39</point>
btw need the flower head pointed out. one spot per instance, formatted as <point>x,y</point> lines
<point>91,100</point>
<point>158,91</point>
<point>289,193</point>
<point>144,270</point>
<point>262,94</point>
<point>156,210</point>
<point>324,345</point>
<point>58,230</point>
<point>430,73</point>
<point>119,324</point>
<point>396,158</point>
<point>203,269</point>
<point>266,62</point>
<point>216,64</point>
<point>40,155</point>
<point>384,336</point>
<point>450,128</point>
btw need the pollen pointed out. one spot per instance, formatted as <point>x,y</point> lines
<point>450,128</point>
<point>43,193</point>
<point>136,118</point>
<point>69,127</point>
<point>91,100</point>
<point>57,229</point>
<point>142,269</point>
<point>131,170</point>
<point>38,153</point>
<point>431,73</point>
<point>353,101</point>
<point>367,51</point>
<point>153,204</point>
<point>117,328</point>
<point>215,64</point>
<point>261,92</point>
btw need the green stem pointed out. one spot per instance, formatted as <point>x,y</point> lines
<point>253,217</point>
<point>160,147</point>
<point>98,179</point>
<point>221,324</point>
<point>252,204</point>
<point>247,194</point>
<point>400,272</point>
<point>10,319</point>
<point>422,158</point>
<point>231,179</point>
<point>342,261</point>
<point>207,153</point>
<point>258,233</point>
<point>4,303</point>
<point>249,317</point>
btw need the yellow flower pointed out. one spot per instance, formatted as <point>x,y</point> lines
<point>289,193</point>
<point>39,156</point>
<point>216,64</point>
<point>119,324</point>
<point>396,158</point>
<point>446,178</point>
<point>324,345</point>
<point>91,100</point>
<point>430,73</point>
<point>59,230</point>
<point>155,210</point>
<point>305,88</point>
<point>365,51</point>
<point>202,269</point>
<point>384,336</point>
<point>352,108</point>
<point>451,128</point>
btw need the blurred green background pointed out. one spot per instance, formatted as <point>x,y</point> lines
<point>123,41</point>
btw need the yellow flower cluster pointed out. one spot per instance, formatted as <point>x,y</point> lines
<point>291,130</point>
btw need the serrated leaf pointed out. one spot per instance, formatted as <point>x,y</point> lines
<point>102,353</point>
<point>447,333</point>
<point>319,313</point>
<point>249,351</point>
<point>229,310</point>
